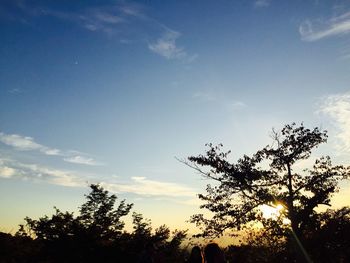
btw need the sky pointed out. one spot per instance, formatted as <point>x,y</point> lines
<point>114,92</point>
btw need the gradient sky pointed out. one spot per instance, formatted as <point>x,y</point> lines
<point>113,91</point>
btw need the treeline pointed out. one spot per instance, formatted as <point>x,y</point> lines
<point>97,234</point>
<point>326,240</point>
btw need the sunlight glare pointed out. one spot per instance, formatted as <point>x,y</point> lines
<point>271,212</point>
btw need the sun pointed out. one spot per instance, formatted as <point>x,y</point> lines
<point>271,212</point>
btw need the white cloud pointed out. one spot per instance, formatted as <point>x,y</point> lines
<point>337,107</point>
<point>5,171</point>
<point>262,3</point>
<point>78,159</point>
<point>19,142</point>
<point>237,105</point>
<point>337,26</point>
<point>204,96</point>
<point>132,10</point>
<point>107,18</point>
<point>13,169</point>
<point>98,19</point>
<point>91,27</point>
<point>49,151</point>
<point>139,185</point>
<point>25,143</point>
<point>166,46</point>
<point>146,187</point>
<point>15,91</point>
<point>102,19</point>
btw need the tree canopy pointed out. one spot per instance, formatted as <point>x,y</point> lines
<point>96,234</point>
<point>268,177</point>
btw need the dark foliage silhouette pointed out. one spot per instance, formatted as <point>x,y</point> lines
<point>196,255</point>
<point>269,177</point>
<point>213,254</point>
<point>96,235</point>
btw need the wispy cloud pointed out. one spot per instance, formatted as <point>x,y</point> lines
<point>204,96</point>
<point>147,187</point>
<point>115,20</point>
<point>6,172</point>
<point>25,143</point>
<point>262,3</point>
<point>337,107</point>
<point>166,46</point>
<point>15,91</point>
<point>12,169</point>
<point>336,26</point>
<point>133,9</point>
<point>78,159</point>
<point>97,18</point>
<point>236,105</point>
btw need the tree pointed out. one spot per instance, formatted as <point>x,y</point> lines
<point>96,234</point>
<point>97,217</point>
<point>330,242</point>
<point>83,238</point>
<point>98,213</point>
<point>268,177</point>
<point>167,244</point>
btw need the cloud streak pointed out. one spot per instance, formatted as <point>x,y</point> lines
<point>167,47</point>
<point>115,20</point>
<point>337,26</point>
<point>95,18</point>
<point>337,107</point>
<point>204,96</point>
<point>33,172</point>
<point>11,169</point>
<point>147,187</point>
<point>262,3</point>
<point>78,159</point>
<point>26,143</point>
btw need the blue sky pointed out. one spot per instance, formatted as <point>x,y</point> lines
<point>113,91</point>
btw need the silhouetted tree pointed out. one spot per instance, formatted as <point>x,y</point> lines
<point>99,215</point>
<point>84,238</point>
<point>96,234</point>
<point>166,243</point>
<point>329,240</point>
<point>268,177</point>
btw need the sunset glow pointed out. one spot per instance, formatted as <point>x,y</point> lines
<point>117,92</point>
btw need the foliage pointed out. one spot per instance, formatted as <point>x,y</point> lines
<point>330,242</point>
<point>166,243</point>
<point>98,213</point>
<point>90,237</point>
<point>96,235</point>
<point>268,177</point>
<point>327,242</point>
